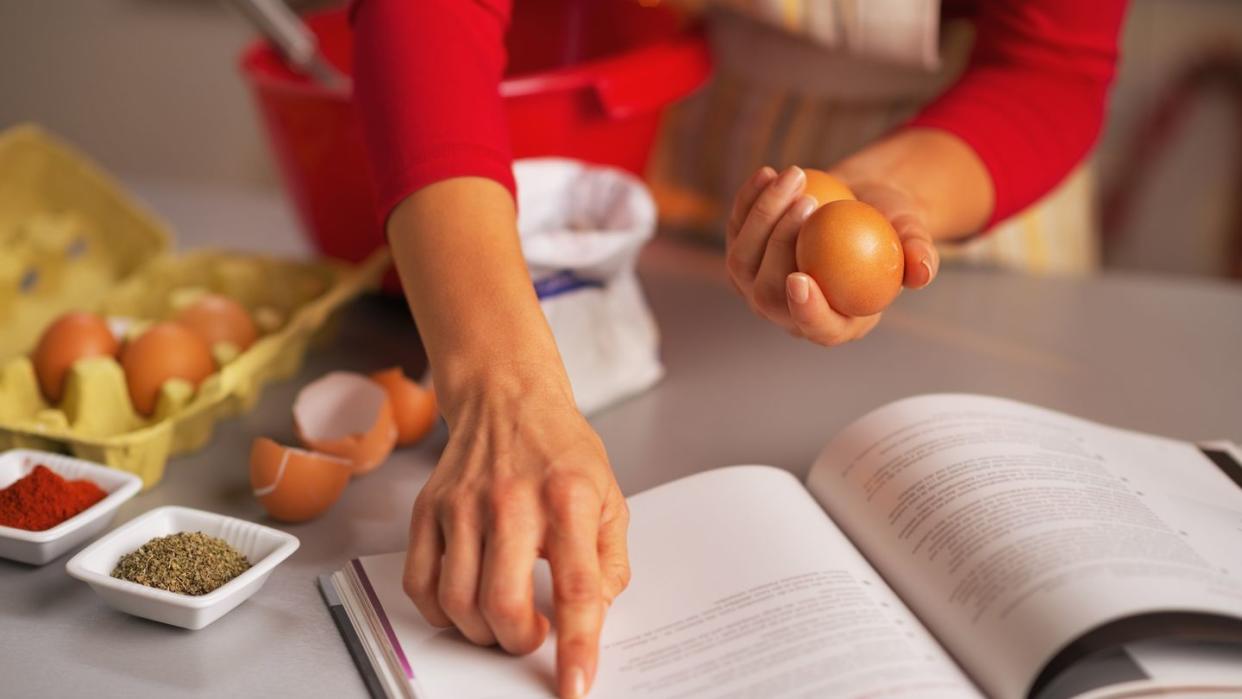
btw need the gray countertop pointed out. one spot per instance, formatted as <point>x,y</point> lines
<point>1153,354</point>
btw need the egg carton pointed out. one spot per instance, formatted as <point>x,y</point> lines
<point>71,239</point>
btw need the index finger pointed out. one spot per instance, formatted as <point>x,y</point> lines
<point>745,199</point>
<point>577,585</point>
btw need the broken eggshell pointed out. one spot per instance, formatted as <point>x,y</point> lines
<point>294,485</point>
<point>349,416</point>
<point>413,406</point>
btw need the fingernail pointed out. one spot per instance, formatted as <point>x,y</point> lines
<point>799,288</point>
<point>927,266</point>
<point>790,179</point>
<point>577,683</point>
<point>808,206</point>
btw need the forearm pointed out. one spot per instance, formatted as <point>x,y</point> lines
<point>942,175</point>
<point>456,247</point>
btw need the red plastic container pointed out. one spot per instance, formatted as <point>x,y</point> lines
<point>587,79</point>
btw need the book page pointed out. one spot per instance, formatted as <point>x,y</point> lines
<point>1011,530</point>
<point>741,587</point>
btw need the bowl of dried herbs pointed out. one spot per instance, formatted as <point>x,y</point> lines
<point>181,566</point>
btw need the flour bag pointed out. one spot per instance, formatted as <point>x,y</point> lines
<point>582,227</point>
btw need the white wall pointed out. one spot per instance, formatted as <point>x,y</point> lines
<point>147,87</point>
<point>1181,214</point>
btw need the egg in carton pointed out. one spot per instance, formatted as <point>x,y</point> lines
<point>71,239</point>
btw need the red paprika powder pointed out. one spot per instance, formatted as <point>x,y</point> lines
<point>42,499</point>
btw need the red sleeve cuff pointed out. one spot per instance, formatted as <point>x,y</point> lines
<point>984,137</point>
<point>1033,98</point>
<point>394,180</point>
<point>427,89</point>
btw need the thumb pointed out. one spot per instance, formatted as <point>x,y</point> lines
<point>922,261</point>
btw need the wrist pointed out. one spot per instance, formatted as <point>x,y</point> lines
<point>938,172</point>
<point>461,384</point>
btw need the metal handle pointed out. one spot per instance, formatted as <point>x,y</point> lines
<point>292,37</point>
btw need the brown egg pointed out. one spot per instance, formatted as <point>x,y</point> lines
<point>72,336</point>
<point>217,318</point>
<point>295,485</point>
<point>349,416</point>
<point>165,351</point>
<point>413,407</point>
<point>854,255</point>
<point>825,188</point>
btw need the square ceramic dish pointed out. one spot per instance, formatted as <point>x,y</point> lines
<point>263,546</point>
<point>40,547</point>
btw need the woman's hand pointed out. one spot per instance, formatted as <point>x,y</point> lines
<point>523,477</point>
<point>762,234</point>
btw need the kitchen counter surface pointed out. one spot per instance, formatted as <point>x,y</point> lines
<point>1148,353</point>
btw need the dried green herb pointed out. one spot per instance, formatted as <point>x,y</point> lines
<point>192,563</point>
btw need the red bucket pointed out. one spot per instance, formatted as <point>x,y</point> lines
<point>587,79</point>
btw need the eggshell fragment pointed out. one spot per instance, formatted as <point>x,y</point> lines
<point>346,415</point>
<point>295,485</point>
<point>854,255</point>
<point>413,407</point>
<point>825,188</point>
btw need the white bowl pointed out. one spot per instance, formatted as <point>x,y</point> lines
<point>263,546</point>
<point>40,547</point>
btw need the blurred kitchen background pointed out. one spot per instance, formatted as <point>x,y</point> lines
<point>151,89</point>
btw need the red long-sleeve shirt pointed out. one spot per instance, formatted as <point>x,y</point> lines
<point>1030,103</point>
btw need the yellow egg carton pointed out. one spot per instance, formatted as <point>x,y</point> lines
<point>71,239</point>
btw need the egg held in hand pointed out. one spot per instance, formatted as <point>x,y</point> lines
<point>825,188</point>
<point>854,255</point>
<point>165,351</point>
<point>72,336</point>
<point>217,318</point>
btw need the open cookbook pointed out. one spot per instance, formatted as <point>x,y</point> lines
<point>941,546</point>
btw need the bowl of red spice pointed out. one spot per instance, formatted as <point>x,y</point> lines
<point>50,503</point>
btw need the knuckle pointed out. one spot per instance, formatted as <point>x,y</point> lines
<point>505,503</point>
<point>738,267</point>
<point>509,520</point>
<point>424,508</point>
<point>503,606</point>
<point>456,601</point>
<point>418,588</point>
<point>577,586</point>
<point>457,502</point>
<point>785,238</point>
<point>568,493</point>
<point>767,208</point>
<point>620,575</point>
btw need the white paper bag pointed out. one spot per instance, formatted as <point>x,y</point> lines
<point>582,227</point>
